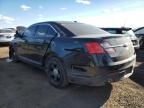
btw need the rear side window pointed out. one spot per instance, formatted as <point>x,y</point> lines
<point>82,29</point>
<point>45,30</point>
<point>30,32</point>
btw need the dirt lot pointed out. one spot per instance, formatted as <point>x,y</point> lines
<point>22,86</point>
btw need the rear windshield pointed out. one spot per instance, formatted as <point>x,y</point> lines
<point>82,29</point>
<point>128,32</point>
<point>113,31</point>
<point>7,31</point>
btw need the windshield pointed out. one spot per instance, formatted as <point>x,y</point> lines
<point>83,29</point>
<point>126,32</point>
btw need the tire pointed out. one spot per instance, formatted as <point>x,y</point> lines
<point>56,72</point>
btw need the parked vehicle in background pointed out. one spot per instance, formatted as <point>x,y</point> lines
<point>11,29</point>
<point>127,32</point>
<point>72,52</point>
<point>6,35</point>
<point>139,32</point>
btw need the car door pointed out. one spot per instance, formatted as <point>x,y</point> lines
<point>43,36</point>
<point>25,40</point>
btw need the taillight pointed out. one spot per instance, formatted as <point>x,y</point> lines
<point>94,48</point>
<point>108,47</point>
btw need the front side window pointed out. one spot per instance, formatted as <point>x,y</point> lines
<point>45,30</point>
<point>30,32</point>
<point>41,30</point>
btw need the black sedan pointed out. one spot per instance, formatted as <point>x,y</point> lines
<point>72,52</point>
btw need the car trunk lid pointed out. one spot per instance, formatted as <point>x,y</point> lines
<point>118,48</point>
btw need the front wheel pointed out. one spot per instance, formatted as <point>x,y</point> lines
<point>56,72</point>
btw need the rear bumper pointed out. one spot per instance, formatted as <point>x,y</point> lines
<point>103,79</point>
<point>103,75</point>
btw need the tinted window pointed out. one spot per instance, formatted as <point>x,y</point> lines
<point>114,31</point>
<point>82,29</point>
<point>45,30</point>
<point>111,31</point>
<point>42,30</point>
<point>30,31</point>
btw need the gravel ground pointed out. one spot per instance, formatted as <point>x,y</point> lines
<point>22,86</point>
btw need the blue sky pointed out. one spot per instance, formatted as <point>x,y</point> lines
<point>112,13</point>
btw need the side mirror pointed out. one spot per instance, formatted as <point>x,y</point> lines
<point>18,35</point>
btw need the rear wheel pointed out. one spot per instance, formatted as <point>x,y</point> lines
<point>56,72</point>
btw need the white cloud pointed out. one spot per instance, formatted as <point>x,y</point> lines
<point>131,18</point>
<point>63,8</point>
<point>111,10</point>
<point>6,19</point>
<point>25,7</point>
<point>85,2</point>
